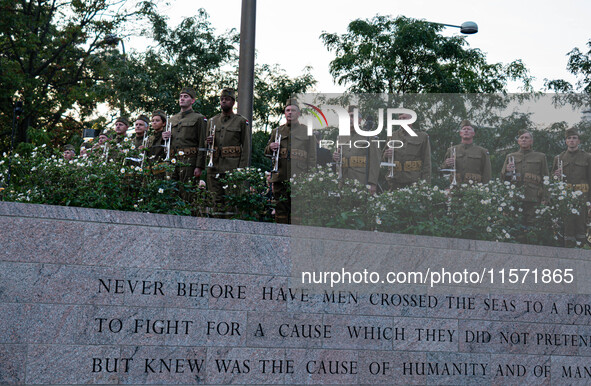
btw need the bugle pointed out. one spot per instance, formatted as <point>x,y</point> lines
<point>210,147</point>
<point>276,152</point>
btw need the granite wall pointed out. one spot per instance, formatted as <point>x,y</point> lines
<point>92,296</point>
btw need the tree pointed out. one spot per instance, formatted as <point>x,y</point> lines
<point>579,64</point>
<point>191,54</point>
<point>272,88</point>
<point>49,52</point>
<point>404,55</point>
<point>194,54</point>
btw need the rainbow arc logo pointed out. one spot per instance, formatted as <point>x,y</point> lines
<point>317,113</point>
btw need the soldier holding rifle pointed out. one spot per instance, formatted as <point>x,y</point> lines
<point>294,152</point>
<point>409,163</point>
<point>187,137</point>
<point>573,166</point>
<point>358,163</point>
<point>471,162</point>
<point>527,168</point>
<point>228,143</point>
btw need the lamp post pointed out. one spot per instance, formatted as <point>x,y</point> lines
<point>246,62</point>
<point>113,40</point>
<point>468,27</point>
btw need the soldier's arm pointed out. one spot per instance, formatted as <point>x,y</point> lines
<point>447,155</point>
<point>544,167</point>
<point>268,150</point>
<point>374,165</point>
<point>486,172</point>
<point>544,172</point>
<point>426,169</point>
<point>201,128</point>
<point>554,164</point>
<point>588,177</point>
<point>311,153</point>
<point>245,142</point>
<point>504,169</point>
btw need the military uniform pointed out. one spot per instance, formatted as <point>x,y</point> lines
<point>231,150</point>
<point>297,154</point>
<point>530,169</point>
<point>576,168</point>
<point>360,163</point>
<point>188,137</point>
<point>412,161</point>
<point>472,163</point>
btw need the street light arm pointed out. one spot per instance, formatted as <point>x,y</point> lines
<point>468,27</point>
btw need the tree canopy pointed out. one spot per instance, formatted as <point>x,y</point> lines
<point>404,55</point>
<point>62,59</point>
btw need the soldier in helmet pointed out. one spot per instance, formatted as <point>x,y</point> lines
<point>229,135</point>
<point>69,152</point>
<point>141,131</point>
<point>155,144</point>
<point>527,168</point>
<point>412,161</point>
<point>121,126</point>
<point>359,162</point>
<point>472,163</point>
<point>573,166</point>
<point>297,154</point>
<point>187,138</point>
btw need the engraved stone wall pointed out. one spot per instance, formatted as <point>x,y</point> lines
<point>91,296</point>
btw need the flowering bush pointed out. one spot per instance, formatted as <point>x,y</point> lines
<point>491,211</point>
<point>249,194</point>
<point>321,199</point>
<point>44,177</point>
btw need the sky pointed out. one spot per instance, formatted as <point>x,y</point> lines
<point>540,33</point>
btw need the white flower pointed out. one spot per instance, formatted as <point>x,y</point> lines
<point>135,205</point>
<point>378,220</point>
<point>507,235</point>
<point>160,190</point>
<point>225,187</point>
<point>173,160</point>
<point>511,208</point>
<point>122,170</point>
<point>321,179</point>
<point>436,188</point>
<point>546,182</point>
<point>574,211</point>
<point>561,197</point>
<point>500,209</point>
<point>520,210</point>
<point>506,183</point>
<point>488,229</point>
<point>181,152</point>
